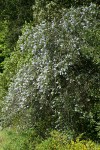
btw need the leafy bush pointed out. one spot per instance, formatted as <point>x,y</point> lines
<point>58,87</point>
<point>59,141</point>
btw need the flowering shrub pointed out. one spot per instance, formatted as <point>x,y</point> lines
<point>58,82</point>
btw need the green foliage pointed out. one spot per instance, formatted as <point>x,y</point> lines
<point>57,84</point>
<point>3,44</point>
<point>15,13</point>
<point>59,141</point>
<point>50,77</point>
<point>10,139</point>
<point>48,10</point>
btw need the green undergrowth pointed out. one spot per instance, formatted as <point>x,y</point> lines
<point>13,140</point>
<point>29,140</point>
<point>59,141</point>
